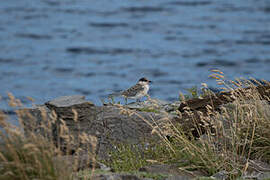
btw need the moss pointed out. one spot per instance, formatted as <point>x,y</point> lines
<point>126,157</point>
<point>156,176</point>
<point>148,109</point>
<point>203,178</point>
<point>86,174</point>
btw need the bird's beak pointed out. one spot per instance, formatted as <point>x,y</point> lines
<point>149,81</point>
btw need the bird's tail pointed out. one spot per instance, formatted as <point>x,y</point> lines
<point>115,94</point>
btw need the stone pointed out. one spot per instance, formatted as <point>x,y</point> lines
<point>67,101</point>
<point>264,176</point>
<point>168,169</point>
<point>200,110</point>
<point>103,167</point>
<point>107,125</point>
<point>257,165</point>
<point>216,100</point>
<point>117,176</point>
<point>78,163</point>
<point>257,175</point>
<point>178,177</point>
<point>34,118</point>
<point>154,104</point>
<point>221,175</point>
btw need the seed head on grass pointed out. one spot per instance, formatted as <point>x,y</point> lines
<point>32,151</point>
<point>241,135</point>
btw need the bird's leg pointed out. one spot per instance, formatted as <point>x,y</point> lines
<point>126,101</point>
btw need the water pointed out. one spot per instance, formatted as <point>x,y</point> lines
<point>51,48</point>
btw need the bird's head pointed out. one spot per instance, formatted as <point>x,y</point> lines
<point>144,81</point>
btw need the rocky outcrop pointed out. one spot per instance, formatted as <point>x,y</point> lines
<point>200,110</point>
<point>117,176</point>
<point>72,118</point>
<point>215,101</point>
<point>113,123</point>
<point>110,124</point>
<point>170,169</point>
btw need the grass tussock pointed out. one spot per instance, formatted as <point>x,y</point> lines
<point>37,154</point>
<point>241,136</point>
<point>25,158</point>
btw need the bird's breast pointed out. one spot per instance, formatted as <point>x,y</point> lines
<point>146,89</point>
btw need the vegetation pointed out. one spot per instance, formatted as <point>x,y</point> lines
<point>21,158</point>
<point>35,155</point>
<point>155,176</point>
<point>241,134</point>
<point>149,110</point>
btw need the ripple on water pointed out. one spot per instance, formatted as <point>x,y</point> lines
<point>220,63</point>
<point>253,42</point>
<point>176,82</point>
<point>64,70</point>
<point>267,61</point>
<point>33,36</point>
<point>190,3</point>
<point>52,2</point>
<point>90,50</point>
<point>108,25</point>
<point>266,9</point>
<point>252,60</point>
<point>148,9</point>
<point>8,61</point>
<point>158,73</point>
<point>83,92</point>
<point>114,74</point>
<point>88,74</point>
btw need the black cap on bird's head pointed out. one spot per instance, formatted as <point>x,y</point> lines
<point>143,79</point>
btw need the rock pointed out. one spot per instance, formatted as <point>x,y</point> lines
<point>166,169</point>
<point>221,175</point>
<point>200,110</point>
<point>35,117</point>
<point>117,176</point>
<point>110,125</point>
<point>67,107</point>
<point>80,162</point>
<point>194,124</point>
<point>67,101</point>
<point>264,176</point>
<point>177,177</point>
<point>103,167</point>
<point>257,165</point>
<point>257,176</point>
<point>171,170</point>
<point>198,104</point>
<point>154,104</point>
<point>216,100</point>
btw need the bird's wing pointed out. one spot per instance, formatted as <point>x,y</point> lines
<point>132,91</point>
<point>115,94</point>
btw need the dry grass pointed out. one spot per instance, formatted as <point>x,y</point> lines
<point>36,154</point>
<point>242,135</point>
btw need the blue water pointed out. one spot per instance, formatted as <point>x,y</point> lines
<point>51,48</point>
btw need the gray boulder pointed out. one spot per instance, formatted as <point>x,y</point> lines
<point>105,125</point>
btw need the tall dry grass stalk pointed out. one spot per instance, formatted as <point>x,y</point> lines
<point>241,134</point>
<point>38,153</point>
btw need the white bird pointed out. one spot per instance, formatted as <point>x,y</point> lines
<point>139,90</point>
